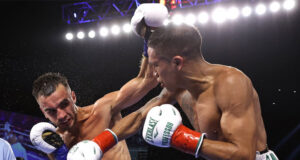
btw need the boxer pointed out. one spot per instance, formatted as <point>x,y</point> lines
<point>79,124</point>
<point>219,101</point>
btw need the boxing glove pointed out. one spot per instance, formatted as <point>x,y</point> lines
<point>163,128</point>
<point>148,15</point>
<point>94,149</point>
<point>45,139</point>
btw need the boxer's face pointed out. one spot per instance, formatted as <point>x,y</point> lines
<point>165,70</point>
<point>59,107</point>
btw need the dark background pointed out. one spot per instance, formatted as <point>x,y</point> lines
<point>266,48</point>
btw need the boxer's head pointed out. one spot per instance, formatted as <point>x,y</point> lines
<point>170,49</point>
<point>55,98</point>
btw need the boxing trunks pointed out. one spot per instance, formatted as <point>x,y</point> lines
<point>266,155</point>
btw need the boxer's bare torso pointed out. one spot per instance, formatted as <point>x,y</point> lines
<point>205,110</point>
<point>92,120</point>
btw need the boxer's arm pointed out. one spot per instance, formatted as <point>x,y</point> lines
<point>130,124</point>
<point>234,96</point>
<point>135,89</point>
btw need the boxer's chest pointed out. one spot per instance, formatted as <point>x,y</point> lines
<point>203,113</point>
<point>87,131</point>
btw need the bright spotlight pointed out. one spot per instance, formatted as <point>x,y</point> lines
<point>103,31</point>
<point>127,28</point>
<point>80,35</point>
<point>219,15</point>
<point>274,6</point>
<point>246,11</point>
<point>190,19</point>
<point>177,19</point>
<point>203,17</point>
<point>233,13</point>
<point>92,34</point>
<point>115,30</point>
<point>260,9</point>
<point>69,36</point>
<point>289,4</point>
<point>166,22</point>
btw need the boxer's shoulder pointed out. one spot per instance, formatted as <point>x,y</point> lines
<point>227,76</point>
<point>105,103</point>
<point>84,113</point>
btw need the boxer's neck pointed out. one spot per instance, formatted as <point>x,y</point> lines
<point>197,76</point>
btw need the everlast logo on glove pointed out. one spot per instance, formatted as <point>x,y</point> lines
<point>150,129</point>
<point>166,135</point>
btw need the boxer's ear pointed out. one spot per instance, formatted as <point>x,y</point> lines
<point>178,61</point>
<point>74,96</point>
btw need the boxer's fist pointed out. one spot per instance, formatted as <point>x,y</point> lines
<point>40,136</point>
<point>90,150</point>
<point>163,128</point>
<point>45,139</point>
<point>85,150</point>
<point>149,14</point>
<point>160,124</point>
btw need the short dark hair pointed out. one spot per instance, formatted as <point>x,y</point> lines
<point>46,84</point>
<point>172,40</point>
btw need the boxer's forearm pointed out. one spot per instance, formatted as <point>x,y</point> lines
<point>211,149</point>
<point>130,93</point>
<point>129,125</point>
<point>135,89</point>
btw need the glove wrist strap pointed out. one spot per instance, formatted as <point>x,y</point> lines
<point>106,140</point>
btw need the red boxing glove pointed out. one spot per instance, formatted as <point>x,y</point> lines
<point>187,140</point>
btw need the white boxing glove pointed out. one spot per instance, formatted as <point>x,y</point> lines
<point>85,150</point>
<point>163,128</point>
<point>37,139</point>
<point>153,14</point>
<point>93,150</point>
<point>160,124</point>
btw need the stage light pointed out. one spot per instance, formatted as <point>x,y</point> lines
<point>92,34</point>
<point>69,36</point>
<point>203,17</point>
<point>233,13</point>
<point>246,11</point>
<point>80,35</point>
<point>177,19</point>
<point>289,4</point>
<point>163,2</point>
<point>219,15</point>
<point>115,30</point>
<point>260,9</point>
<point>103,32</point>
<point>274,6</point>
<point>190,19</point>
<point>166,22</point>
<point>127,28</point>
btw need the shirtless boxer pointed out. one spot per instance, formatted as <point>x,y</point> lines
<point>58,103</point>
<point>218,100</point>
<point>75,124</point>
